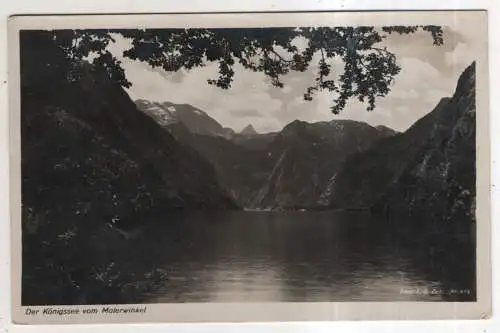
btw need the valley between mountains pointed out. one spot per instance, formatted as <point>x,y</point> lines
<point>289,169</point>
<point>340,163</point>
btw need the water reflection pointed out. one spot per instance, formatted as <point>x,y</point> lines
<point>299,256</point>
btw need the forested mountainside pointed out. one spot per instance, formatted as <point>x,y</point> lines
<point>440,182</point>
<point>365,176</point>
<point>93,165</point>
<point>422,185</point>
<point>428,170</point>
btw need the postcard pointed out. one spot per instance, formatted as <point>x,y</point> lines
<point>242,167</point>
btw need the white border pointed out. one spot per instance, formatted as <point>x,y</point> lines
<point>126,6</point>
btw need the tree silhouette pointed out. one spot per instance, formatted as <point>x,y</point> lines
<point>369,70</point>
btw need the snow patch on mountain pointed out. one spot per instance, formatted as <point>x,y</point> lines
<point>195,120</point>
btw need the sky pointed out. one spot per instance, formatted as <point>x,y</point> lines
<point>428,74</point>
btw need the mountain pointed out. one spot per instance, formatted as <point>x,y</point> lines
<point>92,163</point>
<point>426,173</point>
<point>258,141</point>
<point>387,130</point>
<point>116,140</point>
<point>420,186</point>
<point>196,120</point>
<point>184,117</point>
<point>239,159</point>
<point>365,176</point>
<point>277,170</point>
<point>248,130</point>
<point>439,183</point>
<point>306,156</point>
<point>240,170</point>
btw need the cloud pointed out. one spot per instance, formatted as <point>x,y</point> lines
<point>462,56</point>
<point>433,96</point>
<point>246,113</point>
<point>415,73</point>
<point>428,74</point>
<point>229,107</point>
<point>409,94</point>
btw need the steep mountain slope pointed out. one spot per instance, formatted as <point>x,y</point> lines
<point>92,163</point>
<point>110,119</point>
<point>365,176</point>
<point>239,159</point>
<point>411,171</point>
<point>305,156</point>
<point>240,170</point>
<point>196,120</point>
<point>422,186</point>
<point>439,182</point>
<point>433,202</point>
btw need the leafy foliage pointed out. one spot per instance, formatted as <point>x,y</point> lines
<point>368,71</point>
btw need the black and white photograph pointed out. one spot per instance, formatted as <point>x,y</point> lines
<point>286,163</point>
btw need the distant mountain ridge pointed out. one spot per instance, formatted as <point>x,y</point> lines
<point>338,163</point>
<point>196,120</point>
<point>306,156</point>
<point>287,169</point>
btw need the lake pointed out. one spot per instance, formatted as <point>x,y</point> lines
<point>292,257</point>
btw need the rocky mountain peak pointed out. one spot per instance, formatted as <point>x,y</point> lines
<point>249,130</point>
<point>196,120</point>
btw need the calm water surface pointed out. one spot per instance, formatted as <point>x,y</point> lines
<point>279,257</point>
